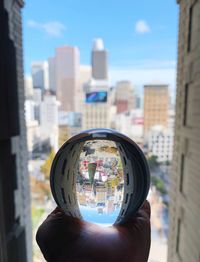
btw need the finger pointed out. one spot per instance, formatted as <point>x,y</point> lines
<point>56,212</point>
<point>56,232</point>
<point>145,210</point>
<point>143,214</point>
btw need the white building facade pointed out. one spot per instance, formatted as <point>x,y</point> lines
<point>131,124</point>
<point>96,106</point>
<point>33,135</point>
<point>84,78</point>
<point>160,143</point>
<point>49,120</point>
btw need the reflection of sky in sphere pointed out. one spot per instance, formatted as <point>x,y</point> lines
<point>90,214</point>
<point>100,182</point>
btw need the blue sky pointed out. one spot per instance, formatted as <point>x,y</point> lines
<point>141,36</point>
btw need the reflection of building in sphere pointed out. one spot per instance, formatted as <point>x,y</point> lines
<point>82,199</point>
<point>100,179</point>
<point>110,206</point>
<point>101,194</point>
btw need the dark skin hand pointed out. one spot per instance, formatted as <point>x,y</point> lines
<point>62,239</point>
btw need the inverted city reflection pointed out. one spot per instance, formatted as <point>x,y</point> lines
<point>100,182</point>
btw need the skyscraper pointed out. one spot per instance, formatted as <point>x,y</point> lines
<point>124,96</point>
<point>184,233</point>
<point>160,143</point>
<point>99,60</point>
<point>156,100</point>
<point>96,105</point>
<point>52,74</point>
<point>67,73</point>
<point>28,87</point>
<point>49,119</point>
<point>84,77</point>
<point>39,72</point>
<point>37,98</point>
<point>85,73</point>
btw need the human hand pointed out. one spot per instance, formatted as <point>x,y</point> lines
<point>62,238</point>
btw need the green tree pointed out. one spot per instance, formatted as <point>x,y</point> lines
<point>168,163</point>
<point>91,170</point>
<point>159,184</point>
<point>46,167</point>
<point>153,161</point>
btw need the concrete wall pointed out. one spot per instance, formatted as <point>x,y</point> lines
<point>18,141</point>
<point>184,235</point>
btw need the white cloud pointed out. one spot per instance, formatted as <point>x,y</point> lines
<point>51,28</point>
<point>141,27</point>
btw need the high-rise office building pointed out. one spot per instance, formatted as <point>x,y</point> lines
<point>99,60</point>
<point>29,106</point>
<point>52,73</point>
<point>33,136</point>
<point>85,73</point>
<point>160,143</point>
<point>131,124</point>
<point>156,101</point>
<point>32,125</point>
<point>84,77</point>
<point>184,233</point>
<point>39,72</point>
<point>96,113</point>
<point>138,101</point>
<point>67,62</point>
<point>28,87</point>
<point>49,119</point>
<point>37,98</point>
<point>15,218</point>
<point>124,96</point>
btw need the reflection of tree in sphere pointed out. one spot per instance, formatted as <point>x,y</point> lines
<point>91,171</point>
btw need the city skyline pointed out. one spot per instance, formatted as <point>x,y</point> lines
<point>130,58</point>
<point>139,88</point>
<point>141,48</point>
<point>104,97</point>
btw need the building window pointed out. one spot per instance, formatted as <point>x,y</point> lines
<point>190,29</point>
<point>193,26</point>
<point>185,105</point>
<point>182,173</point>
<point>178,236</point>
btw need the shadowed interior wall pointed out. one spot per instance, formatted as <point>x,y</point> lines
<point>15,225</point>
